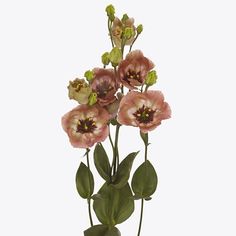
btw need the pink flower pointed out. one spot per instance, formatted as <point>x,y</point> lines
<point>86,125</point>
<point>105,85</point>
<point>144,110</point>
<point>133,70</point>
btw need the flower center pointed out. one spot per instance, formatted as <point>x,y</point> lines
<point>77,84</point>
<point>117,32</point>
<point>103,89</point>
<point>86,126</point>
<point>133,75</point>
<point>144,114</point>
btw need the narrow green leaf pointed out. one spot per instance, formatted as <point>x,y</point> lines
<point>114,205</point>
<point>123,171</point>
<point>84,181</point>
<point>102,230</point>
<point>101,162</point>
<point>144,181</point>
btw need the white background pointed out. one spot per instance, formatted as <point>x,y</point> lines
<point>44,44</point>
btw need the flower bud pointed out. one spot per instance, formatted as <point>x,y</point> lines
<point>139,29</point>
<point>92,99</point>
<point>79,90</point>
<point>115,56</point>
<point>128,33</point>
<point>124,18</point>
<point>106,58</point>
<point>151,78</point>
<point>88,75</point>
<point>110,12</point>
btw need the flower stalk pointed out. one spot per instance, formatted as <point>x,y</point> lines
<point>116,151</point>
<point>89,199</point>
<point>145,140</point>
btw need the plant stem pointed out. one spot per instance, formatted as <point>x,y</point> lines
<point>110,139</point>
<point>133,43</point>
<point>116,152</point>
<point>146,146</point>
<point>89,210</point>
<point>113,150</point>
<point>141,217</point>
<point>89,200</point>
<point>142,200</point>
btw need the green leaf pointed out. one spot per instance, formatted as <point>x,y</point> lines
<point>84,181</point>
<point>102,230</point>
<point>123,171</point>
<point>113,232</point>
<point>144,182</point>
<point>114,205</point>
<point>102,162</point>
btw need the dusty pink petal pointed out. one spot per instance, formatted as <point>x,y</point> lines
<point>146,129</point>
<point>86,125</point>
<point>105,85</point>
<point>133,98</point>
<point>144,110</point>
<point>133,70</point>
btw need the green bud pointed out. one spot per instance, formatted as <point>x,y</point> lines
<point>139,29</point>
<point>92,99</point>
<point>88,75</point>
<point>110,12</point>
<point>106,58</point>
<point>128,33</point>
<point>124,18</point>
<point>151,78</point>
<point>115,56</point>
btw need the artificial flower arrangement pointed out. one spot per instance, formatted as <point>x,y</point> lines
<point>117,94</point>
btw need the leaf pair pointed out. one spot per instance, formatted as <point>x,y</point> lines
<point>113,206</point>
<point>104,169</point>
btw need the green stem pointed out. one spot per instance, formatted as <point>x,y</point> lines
<point>111,142</point>
<point>142,200</point>
<point>89,210</point>
<point>116,152</point>
<point>113,150</point>
<point>89,200</point>
<point>122,89</point>
<point>133,43</point>
<point>146,88</point>
<point>142,89</point>
<point>146,147</point>
<point>122,47</point>
<point>141,217</point>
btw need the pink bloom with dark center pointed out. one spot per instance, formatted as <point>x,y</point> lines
<point>105,85</point>
<point>133,70</point>
<point>144,110</point>
<point>86,125</point>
